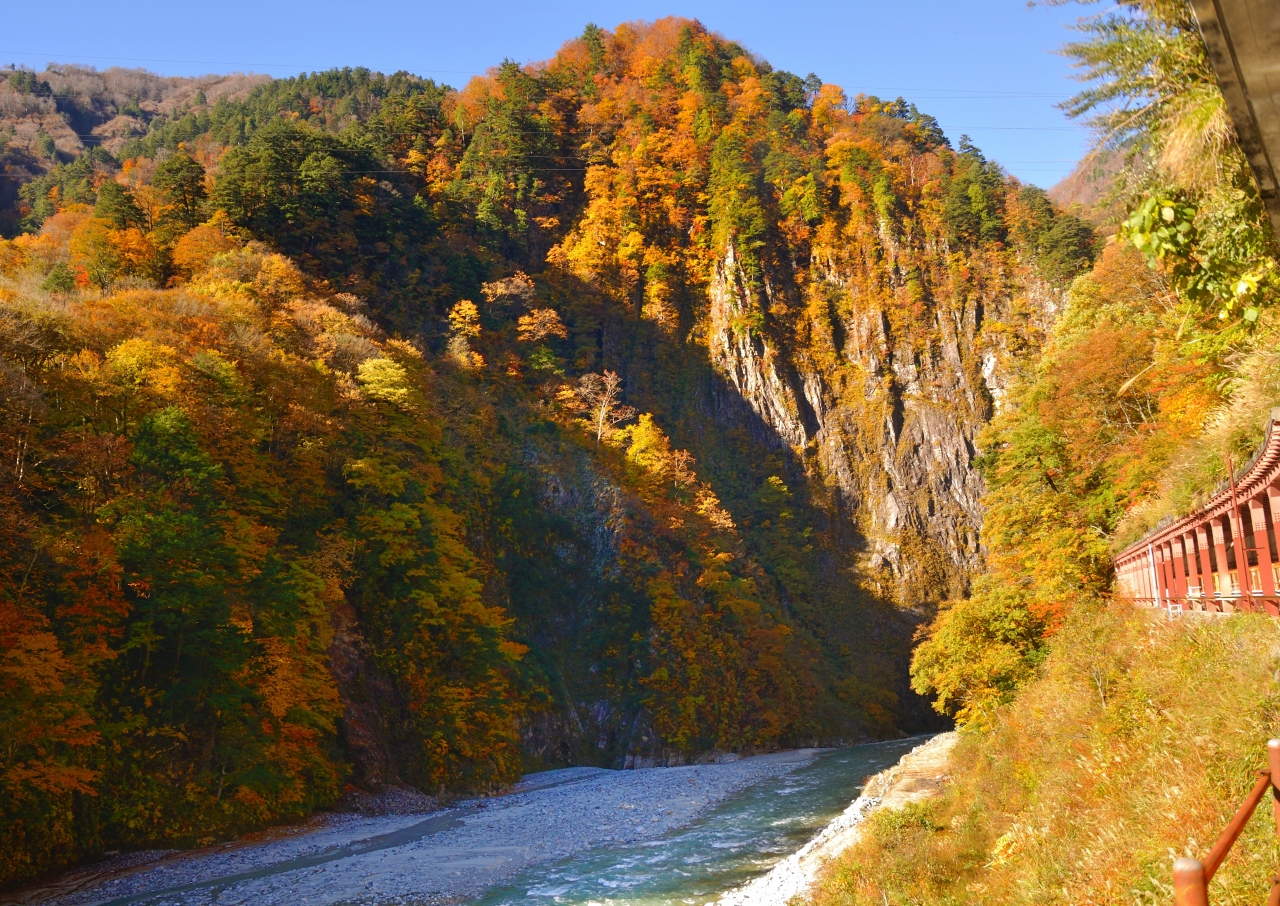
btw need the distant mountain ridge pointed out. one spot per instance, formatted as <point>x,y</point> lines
<point>1087,188</point>
<point>55,114</point>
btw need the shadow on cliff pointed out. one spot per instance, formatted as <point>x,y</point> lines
<point>864,640</point>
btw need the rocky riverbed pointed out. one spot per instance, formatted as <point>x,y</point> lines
<point>445,856</point>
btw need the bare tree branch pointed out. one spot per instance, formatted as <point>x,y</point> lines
<point>600,395</point>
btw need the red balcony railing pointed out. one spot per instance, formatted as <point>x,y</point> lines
<point>1197,602</point>
<point>1191,877</point>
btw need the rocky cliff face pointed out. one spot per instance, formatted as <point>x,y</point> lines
<point>885,419</point>
<point>589,723</point>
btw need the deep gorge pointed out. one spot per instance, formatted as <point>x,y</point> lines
<point>314,481</point>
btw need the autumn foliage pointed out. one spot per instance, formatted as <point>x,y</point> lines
<point>221,479</point>
<point>1083,444</point>
<point>359,430</point>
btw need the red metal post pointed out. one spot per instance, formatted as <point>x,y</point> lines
<point>1153,576</point>
<point>1190,886</point>
<point>1204,541</point>
<point>1191,877</point>
<point>1266,578</point>
<point>1273,762</point>
<point>1184,566</point>
<point>1175,558</point>
<point>1237,532</point>
<point>1163,578</point>
<point>1137,572</point>
<point>1164,571</point>
<point>1124,573</point>
<point>1222,574</point>
<point>1273,501</point>
<point>1193,565</point>
<point>1236,825</point>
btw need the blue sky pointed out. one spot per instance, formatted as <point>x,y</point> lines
<point>982,67</point>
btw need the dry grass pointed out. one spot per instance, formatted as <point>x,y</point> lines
<point>1136,743</point>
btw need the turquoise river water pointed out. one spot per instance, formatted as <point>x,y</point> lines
<point>741,838</point>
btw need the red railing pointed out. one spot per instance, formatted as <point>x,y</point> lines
<point>1222,557</point>
<point>1191,877</point>
<point>1218,604</point>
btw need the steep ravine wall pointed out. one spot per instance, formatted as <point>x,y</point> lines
<point>886,423</point>
<point>882,420</point>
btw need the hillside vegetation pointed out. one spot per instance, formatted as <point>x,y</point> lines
<point>1135,743</point>
<point>359,430</point>
<point>1100,742</point>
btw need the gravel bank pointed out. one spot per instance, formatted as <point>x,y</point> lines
<point>437,857</point>
<point>919,775</point>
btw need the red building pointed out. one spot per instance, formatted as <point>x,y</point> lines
<point>1222,558</point>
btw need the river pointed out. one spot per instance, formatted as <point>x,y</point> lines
<point>739,839</point>
<point>575,836</point>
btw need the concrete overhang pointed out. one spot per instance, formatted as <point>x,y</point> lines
<point>1243,37</point>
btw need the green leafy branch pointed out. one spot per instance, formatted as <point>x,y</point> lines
<point>1219,257</point>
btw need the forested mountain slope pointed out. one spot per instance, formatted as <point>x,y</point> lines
<point>361,430</point>
<point>53,116</point>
